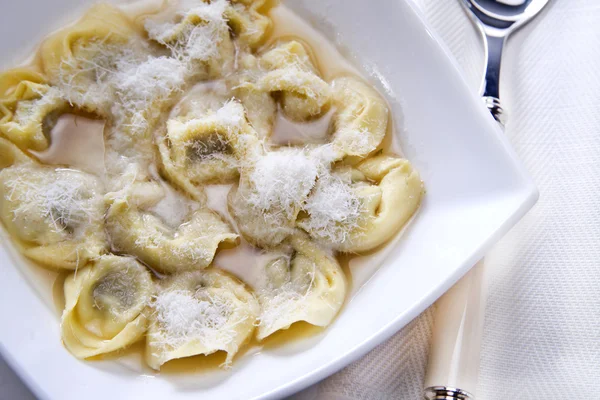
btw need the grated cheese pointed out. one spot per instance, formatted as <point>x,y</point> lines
<point>27,111</point>
<point>195,41</point>
<point>334,209</point>
<point>282,180</point>
<point>140,86</point>
<point>232,114</point>
<point>185,316</point>
<point>280,304</point>
<point>354,141</point>
<point>83,78</point>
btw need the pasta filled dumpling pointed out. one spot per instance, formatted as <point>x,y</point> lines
<point>308,287</point>
<point>27,107</point>
<point>79,59</point>
<point>271,193</point>
<point>248,21</point>
<point>103,65</point>
<point>208,149</point>
<point>55,213</point>
<point>293,77</point>
<point>199,312</point>
<point>144,222</point>
<point>106,306</point>
<point>197,33</point>
<point>361,119</point>
<point>365,208</point>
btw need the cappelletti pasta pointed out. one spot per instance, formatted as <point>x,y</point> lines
<point>261,108</point>
<point>270,195</point>
<point>225,147</point>
<point>134,229</point>
<point>308,286</point>
<point>304,95</point>
<point>78,59</point>
<point>200,312</point>
<point>208,149</point>
<point>55,214</point>
<point>199,34</point>
<point>382,192</point>
<point>106,306</point>
<point>361,119</point>
<point>247,21</point>
<point>27,105</point>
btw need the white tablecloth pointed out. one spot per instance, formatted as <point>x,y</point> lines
<point>542,325</point>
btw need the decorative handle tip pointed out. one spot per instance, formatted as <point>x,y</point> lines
<point>446,393</point>
<point>495,108</point>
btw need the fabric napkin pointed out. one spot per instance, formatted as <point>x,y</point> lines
<point>542,321</point>
<point>542,325</point>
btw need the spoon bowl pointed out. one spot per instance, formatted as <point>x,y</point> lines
<point>496,20</point>
<point>505,16</point>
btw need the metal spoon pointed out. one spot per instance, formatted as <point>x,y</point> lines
<point>496,20</point>
<point>452,374</point>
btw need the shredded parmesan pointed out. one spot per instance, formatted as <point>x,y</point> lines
<point>83,78</point>
<point>231,114</point>
<point>28,110</point>
<point>282,181</point>
<point>140,86</point>
<point>354,141</point>
<point>103,72</point>
<point>281,303</point>
<point>334,209</point>
<point>185,316</point>
<point>198,41</point>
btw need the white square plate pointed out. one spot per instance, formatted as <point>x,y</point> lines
<point>476,190</point>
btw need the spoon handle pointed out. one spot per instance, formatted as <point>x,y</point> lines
<point>456,339</point>
<point>491,81</point>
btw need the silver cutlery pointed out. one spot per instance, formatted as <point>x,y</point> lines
<point>496,20</point>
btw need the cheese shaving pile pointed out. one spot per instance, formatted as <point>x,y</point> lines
<point>199,40</point>
<point>185,316</point>
<point>334,209</point>
<point>282,181</point>
<point>84,78</point>
<point>139,86</point>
